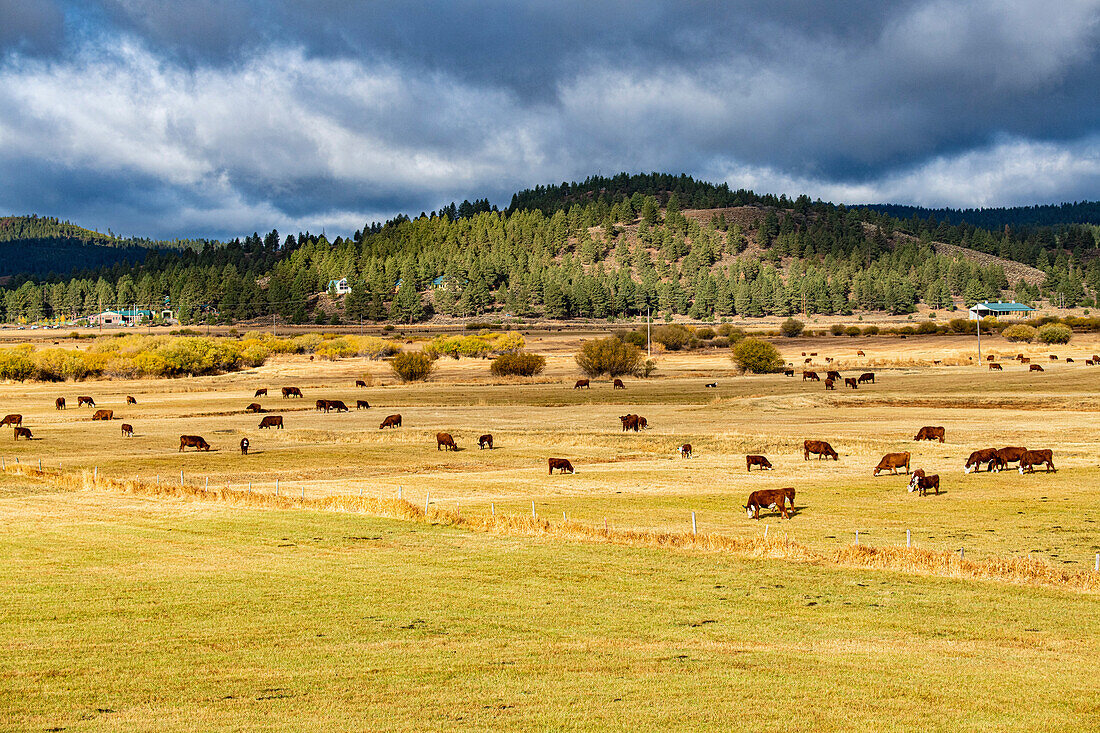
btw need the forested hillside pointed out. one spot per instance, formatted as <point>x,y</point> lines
<point>606,248</point>
<point>46,246</point>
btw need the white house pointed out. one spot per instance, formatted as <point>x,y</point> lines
<point>999,309</point>
<point>340,286</point>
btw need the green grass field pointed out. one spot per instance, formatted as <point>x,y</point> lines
<point>132,613</point>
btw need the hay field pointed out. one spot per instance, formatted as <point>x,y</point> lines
<point>632,480</point>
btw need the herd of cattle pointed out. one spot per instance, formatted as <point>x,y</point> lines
<point>995,367</point>
<point>782,500</point>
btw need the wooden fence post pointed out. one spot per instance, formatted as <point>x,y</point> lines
<point>908,539</point>
<point>427,498</point>
<point>693,523</point>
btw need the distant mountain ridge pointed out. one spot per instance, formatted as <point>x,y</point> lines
<point>1078,212</point>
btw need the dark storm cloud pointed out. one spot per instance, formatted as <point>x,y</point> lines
<point>297,114</point>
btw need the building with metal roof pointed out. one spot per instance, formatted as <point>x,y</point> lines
<point>999,309</point>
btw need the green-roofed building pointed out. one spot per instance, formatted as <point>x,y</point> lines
<point>1000,310</point>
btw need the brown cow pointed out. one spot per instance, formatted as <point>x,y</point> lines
<point>1054,357</point>
<point>321,405</point>
<point>85,400</point>
<point>813,353</point>
<point>1035,368</point>
<point>127,430</point>
<point>393,421</point>
<point>930,433</point>
<point>1069,359</point>
<point>1019,357</point>
<point>1008,455</point>
<point>444,440</point>
<point>618,384</point>
<point>104,415</point>
<point>770,499</point>
<point>291,392</point>
<point>261,391</point>
<point>978,457</point>
<point>922,483</point>
<point>820,447</point>
<point>630,422</point>
<point>851,382</point>
<point>193,441</point>
<point>867,377</point>
<point>788,372</point>
<point>991,358</point>
<point>893,461</point>
<point>244,446</point>
<point>760,461</point>
<point>362,405</point>
<point>643,423</point>
<point>828,360</point>
<point>12,420</point>
<point>830,384</point>
<point>130,400</point>
<point>337,405</point>
<point>994,367</point>
<point>860,353</point>
<point>59,403</point>
<point>1095,359</point>
<point>485,441</point>
<point>272,421</point>
<point>1033,458</point>
<point>1025,360</point>
<point>254,407</point>
<point>582,383</point>
<point>23,433</point>
<point>360,383</point>
<point>807,361</point>
<point>833,375</point>
<point>812,376</point>
<point>1088,362</point>
<point>561,464</point>
<point>685,450</point>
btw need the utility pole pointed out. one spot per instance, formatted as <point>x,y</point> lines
<point>648,321</point>
<point>978,321</point>
<point>272,325</point>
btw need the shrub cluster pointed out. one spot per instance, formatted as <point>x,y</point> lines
<point>412,366</point>
<point>1019,332</point>
<point>757,356</point>
<point>609,356</point>
<point>479,346</point>
<point>792,327</point>
<point>1055,333</point>
<point>520,364</point>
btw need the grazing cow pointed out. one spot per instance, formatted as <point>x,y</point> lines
<point>59,403</point>
<point>1054,357</point>
<point>1033,458</point>
<point>819,447</point>
<point>1008,455</point>
<point>643,423</point>
<point>828,359</point>
<point>254,407</point>
<point>860,353</point>
<point>760,461</point>
<point>321,405</point>
<point>922,483</point>
<point>930,433</point>
<point>582,383</point>
<point>337,405</point>
<point>84,400</point>
<point>127,430</point>
<point>244,446</point>
<point>1095,359</point>
<point>1069,359</point>
<point>291,392</point>
<point>867,377</point>
<point>261,391</point>
<point>23,433</point>
<point>444,440</point>
<point>130,400</point>
<point>812,376</point>
<point>893,461</point>
<point>193,441</point>
<point>393,421</point>
<point>104,415</point>
<point>685,450</point>
<point>803,353</point>
<point>360,383</point>
<point>991,358</point>
<point>362,405</point>
<point>770,499</point>
<point>712,385</point>
<point>1035,368</point>
<point>618,384</point>
<point>807,361</point>
<point>12,420</point>
<point>1025,360</point>
<point>978,457</point>
<point>995,367</point>
<point>630,422</point>
<point>485,441</point>
<point>1088,362</point>
<point>561,464</point>
<point>851,382</point>
<point>937,361</point>
<point>813,353</point>
<point>272,421</point>
<point>830,384</point>
<point>833,375</point>
<point>788,372</point>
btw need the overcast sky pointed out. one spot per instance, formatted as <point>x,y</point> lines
<point>221,117</point>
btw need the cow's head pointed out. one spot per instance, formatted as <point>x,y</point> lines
<point>749,512</point>
<point>1021,468</point>
<point>967,469</point>
<point>913,483</point>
